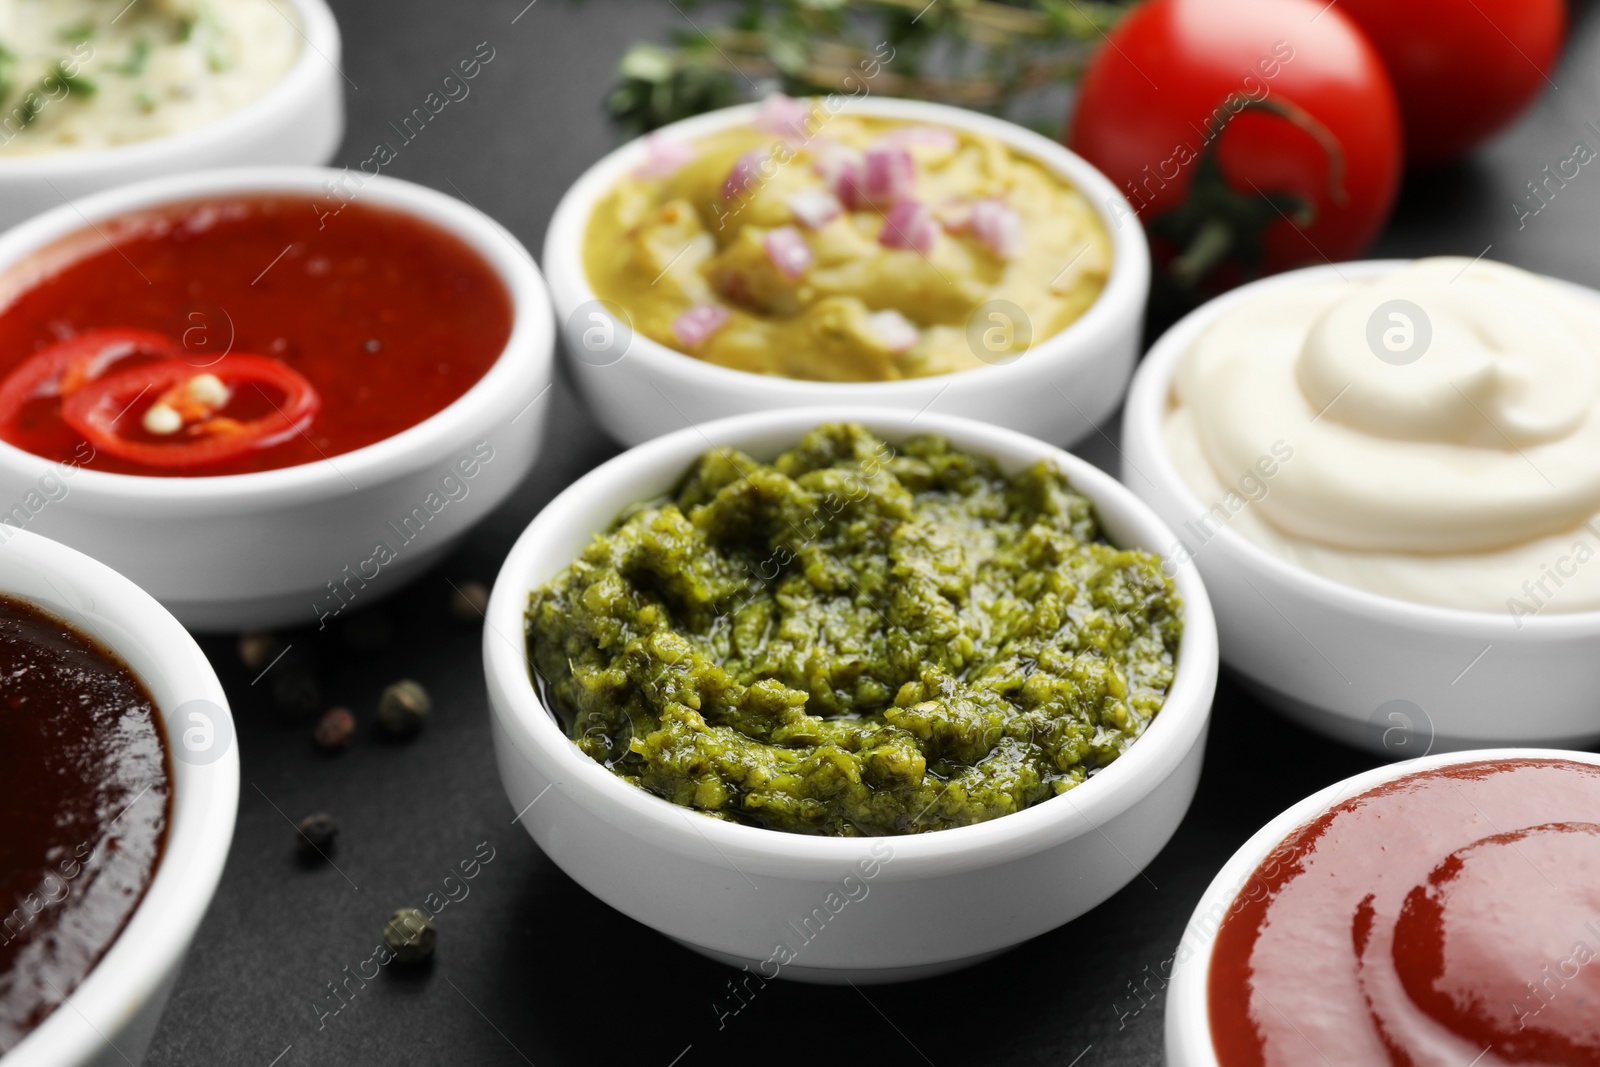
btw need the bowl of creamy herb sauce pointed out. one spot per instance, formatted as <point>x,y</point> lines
<point>95,93</point>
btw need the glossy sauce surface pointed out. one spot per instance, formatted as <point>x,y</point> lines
<point>388,316</point>
<point>1452,916</point>
<point>85,799</point>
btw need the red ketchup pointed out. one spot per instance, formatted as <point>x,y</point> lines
<point>1449,917</point>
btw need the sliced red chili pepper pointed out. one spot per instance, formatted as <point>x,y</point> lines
<point>266,402</point>
<point>66,366</point>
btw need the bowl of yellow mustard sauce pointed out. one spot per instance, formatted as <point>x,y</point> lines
<point>840,250</point>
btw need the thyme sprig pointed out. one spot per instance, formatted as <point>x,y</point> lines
<point>980,54</point>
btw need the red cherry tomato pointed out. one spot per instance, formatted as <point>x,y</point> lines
<point>1461,71</point>
<point>1251,136</point>
<point>263,402</point>
<point>66,366</point>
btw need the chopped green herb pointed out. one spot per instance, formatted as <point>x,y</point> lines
<point>8,66</point>
<point>28,110</point>
<point>138,56</point>
<point>75,83</point>
<point>78,33</point>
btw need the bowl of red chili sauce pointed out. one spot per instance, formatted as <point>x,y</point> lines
<point>119,781</point>
<point>266,394</point>
<point>1441,910</point>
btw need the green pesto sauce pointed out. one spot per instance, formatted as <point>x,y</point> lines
<point>857,639</point>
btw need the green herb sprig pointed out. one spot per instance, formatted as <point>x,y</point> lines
<point>980,54</point>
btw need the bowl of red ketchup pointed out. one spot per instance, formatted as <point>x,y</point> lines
<point>266,394</point>
<point>1444,910</point>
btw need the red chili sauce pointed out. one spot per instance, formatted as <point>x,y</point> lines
<point>85,800</point>
<point>240,334</point>
<point>1449,917</point>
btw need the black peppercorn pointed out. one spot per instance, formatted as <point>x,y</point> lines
<point>296,692</point>
<point>316,834</point>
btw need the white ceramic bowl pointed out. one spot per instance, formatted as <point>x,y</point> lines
<point>934,901</point>
<point>1188,1027</point>
<point>1390,675</point>
<point>109,1019</point>
<point>300,120</point>
<point>268,549</point>
<point>1057,391</point>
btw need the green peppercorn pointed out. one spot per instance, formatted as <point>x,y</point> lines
<point>317,832</point>
<point>410,935</point>
<point>469,600</point>
<point>256,650</point>
<point>334,729</point>
<point>403,707</point>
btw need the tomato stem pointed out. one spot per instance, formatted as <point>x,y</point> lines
<point>1208,248</point>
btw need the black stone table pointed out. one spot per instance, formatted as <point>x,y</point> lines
<point>530,968</point>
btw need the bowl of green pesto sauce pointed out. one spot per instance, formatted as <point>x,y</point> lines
<point>750,678</point>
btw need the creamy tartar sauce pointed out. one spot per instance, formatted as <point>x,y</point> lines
<point>91,74</point>
<point>1432,435</point>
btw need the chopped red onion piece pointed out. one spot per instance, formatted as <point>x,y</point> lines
<point>909,224</point>
<point>784,116</point>
<point>888,174</point>
<point>997,227</point>
<point>663,157</point>
<point>897,332</point>
<point>699,322</point>
<point>815,208</point>
<point>745,172</point>
<point>933,136</point>
<point>841,169</point>
<point>788,251</point>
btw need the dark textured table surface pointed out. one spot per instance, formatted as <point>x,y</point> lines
<point>530,968</point>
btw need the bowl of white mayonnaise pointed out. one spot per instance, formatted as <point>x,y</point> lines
<point>1388,474</point>
<point>94,95</point>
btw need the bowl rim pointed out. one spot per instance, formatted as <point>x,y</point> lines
<point>1130,778</point>
<point>526,357</point>
<point>1143,418</point>
<point>152,944</point>
<point>1188,1017</point>
<point>1127,283</point>
<point>320,45</point>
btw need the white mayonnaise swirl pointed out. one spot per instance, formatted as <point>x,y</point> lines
<point>1443,427</point>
